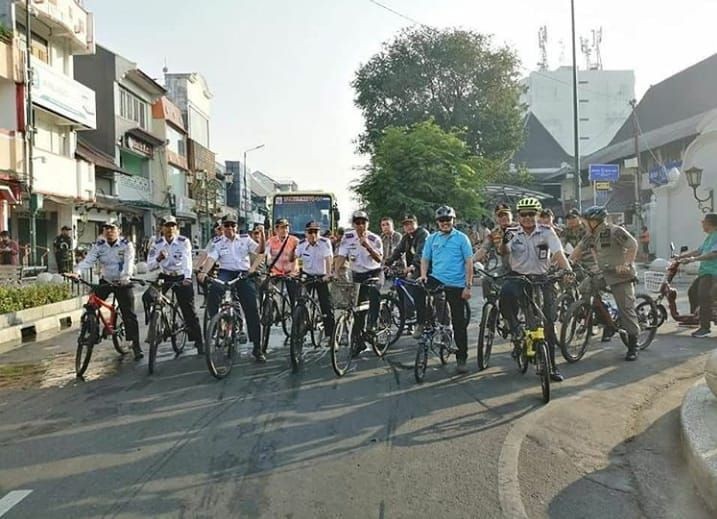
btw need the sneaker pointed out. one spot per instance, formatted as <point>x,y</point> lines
<point>138,354</point>
<point>242,338</point>
<point>631,355</point>
<point>701,333</point>
<point>556,376</point>
<point>417,331</point>
<point>259,355</point>
<point>461,367</point>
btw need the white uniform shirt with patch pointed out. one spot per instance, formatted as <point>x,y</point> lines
<point>233,254</point>
<point>361,260</point>
<point>116,260</point>
<point>177,257</point>
<point>313,257</point>
<point>530,253</point>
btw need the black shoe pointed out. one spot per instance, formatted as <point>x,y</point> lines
<point>607,334</point>
<point>631,355</point>
<point>200,347</point>
<point>556,376</point>
<point>259,355</point>
<point>138,355</point>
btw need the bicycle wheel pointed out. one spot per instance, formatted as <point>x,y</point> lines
<point>486,334</point>
<point>522,358</point>
<point>220,346</point>
<point>382,339</point>
<point>341,345</point>
<point>154,336</point>
<point>576,331</point>
<point>316,324</point>
<point>444,340</point>
<point>421,363</point>
<point>542,368</point>
<point>285,315</point>
<point>179,332</point>
<point>398,317</point>
<point>300,324</point>
<point>649,318</point>
<point>267,320</point>
<point>89,331</point>
<point>119,335</point>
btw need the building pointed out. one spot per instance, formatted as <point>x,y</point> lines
<point>604,104</point>
<point>676,121</point>
<point>239,192</point>
<point>52,181</point>
<point>190,92</point>
<point>125,95</point>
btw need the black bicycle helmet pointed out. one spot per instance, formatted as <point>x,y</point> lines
<point>596,212</point>
<point>445,211</point>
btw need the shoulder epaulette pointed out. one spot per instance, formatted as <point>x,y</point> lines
<point>373,237</point>
<point>181,238</point>
<point>216,239</point>
<point>302,241</point>
<point>124,240</point>
<point>349,235</point>
<point>100,242</point>
<point>243,235</point>
<point>158,240</point>
<point>323,239</point>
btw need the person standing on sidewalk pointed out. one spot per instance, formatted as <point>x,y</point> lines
<point>62,247</point>
<point>702,288</point>
<point>172,254</point>
<point>645,242</point>
<point>9,250</point>
<point>390,239</point>
<point>115,255</point>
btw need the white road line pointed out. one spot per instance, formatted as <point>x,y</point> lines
<point>12,499</point>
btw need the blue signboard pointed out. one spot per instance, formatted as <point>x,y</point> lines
<point>603,172</point>
<point>658,174</point>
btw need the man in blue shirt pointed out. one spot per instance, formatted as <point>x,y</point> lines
<point>449,255</point>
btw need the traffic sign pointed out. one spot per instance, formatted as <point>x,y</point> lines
<point>603,172</point>
<point>602,186</point>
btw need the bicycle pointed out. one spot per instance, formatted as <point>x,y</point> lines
<point>274,307</point>
<point>224,330</point>
<point>577,330</point>
<point>94,313</point>
<point>344,344</point>
<point>531,344</point>
<point>306,318</point>
<point>400,302</point>
<point>437,332</point>
<point>491,321</point>
<point>165,321</point>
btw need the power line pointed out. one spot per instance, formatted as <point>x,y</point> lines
<point>404,16</point>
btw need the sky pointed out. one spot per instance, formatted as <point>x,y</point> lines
<point>280,70</point>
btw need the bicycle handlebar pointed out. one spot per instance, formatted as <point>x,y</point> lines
<point>242,276</point>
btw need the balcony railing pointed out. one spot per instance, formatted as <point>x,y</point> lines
<point>66,18</point>
<point>10,62</point>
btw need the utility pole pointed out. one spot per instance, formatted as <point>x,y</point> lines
<point>636,140</point>
<point>576,129</point>
<point>30,134</point>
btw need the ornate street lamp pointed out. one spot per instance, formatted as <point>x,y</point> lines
<point>694,180</point>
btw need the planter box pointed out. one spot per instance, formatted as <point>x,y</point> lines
<point>30,315</point>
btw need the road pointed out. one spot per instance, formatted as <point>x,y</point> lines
<point>267,443</point>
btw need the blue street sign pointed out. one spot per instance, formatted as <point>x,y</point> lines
<point>603,172</point>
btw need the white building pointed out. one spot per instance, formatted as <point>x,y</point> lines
<point>603,104</point>
<point>61,107</point>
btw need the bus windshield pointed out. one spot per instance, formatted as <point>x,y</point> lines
<point>301,209</point>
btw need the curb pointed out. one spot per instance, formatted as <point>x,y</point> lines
<point>698,420</point>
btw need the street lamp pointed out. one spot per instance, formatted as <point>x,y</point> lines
<point>244,179</point>
<point>694,180</point>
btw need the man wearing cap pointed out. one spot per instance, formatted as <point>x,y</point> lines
<point>232,253</point>
<point>504,219</point>
<point>411,247</point>
<point>365,252</point>
<point>62,247</point>
<point>172,254</point>
<point>116,258</point>
<point>280,255</point>
<point>315,257</point>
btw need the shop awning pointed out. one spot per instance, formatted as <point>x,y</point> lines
<point>89,153</point>
<point>147,137</point>
<point>6,193</point>
<point>141,204</point>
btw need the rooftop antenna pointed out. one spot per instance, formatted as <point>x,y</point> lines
<point>597,40</point>
<point>587,52</point>
<point>561,44</point>
<point>543,44</point>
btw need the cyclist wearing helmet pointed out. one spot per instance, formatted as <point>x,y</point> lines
<point>613,250</point>
<point>449,254</point>
<point>530,246</point>
<point>365,251</point>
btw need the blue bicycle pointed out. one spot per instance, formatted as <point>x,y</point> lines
<point>400,303</point>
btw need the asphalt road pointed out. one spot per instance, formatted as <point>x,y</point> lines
<point>267,443</point>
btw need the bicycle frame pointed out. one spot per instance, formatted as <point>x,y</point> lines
<point>96,303</point>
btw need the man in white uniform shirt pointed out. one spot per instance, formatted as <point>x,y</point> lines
<point>314,257</point>
<point>365,252</point>
<point>172,254</point>
<point>232,253</point>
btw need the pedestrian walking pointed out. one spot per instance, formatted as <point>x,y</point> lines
<point>62,246</point>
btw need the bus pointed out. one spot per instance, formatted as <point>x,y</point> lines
<point>300,207</point>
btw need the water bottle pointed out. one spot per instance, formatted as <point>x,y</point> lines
<point>612,310</point>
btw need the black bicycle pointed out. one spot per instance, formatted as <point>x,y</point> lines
<point>165,321</point>
<point>274,307</point>
<point>491,322</point>
<point>224,329</point>
<point>306,319</point>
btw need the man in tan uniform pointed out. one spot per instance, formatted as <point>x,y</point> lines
<point>614,249</point>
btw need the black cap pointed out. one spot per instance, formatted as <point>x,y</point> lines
<point>409,218</point>
<point>502,208</point>
<point>359,215</point>
<point>313,224</point>
<point>228,218</point>
<point>573,213</point>
<point>66,228</point>
<point>281,221</point>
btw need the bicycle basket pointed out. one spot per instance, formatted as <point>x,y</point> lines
<point>654,280</point>
<point>342,294</point>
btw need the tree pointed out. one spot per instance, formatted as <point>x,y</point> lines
<point>454,76</point>
<point>419,168</point>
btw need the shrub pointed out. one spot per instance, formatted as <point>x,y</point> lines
<point>13,299</point>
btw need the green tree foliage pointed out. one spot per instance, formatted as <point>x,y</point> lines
<point>456,77</point>
<point>419,168</point>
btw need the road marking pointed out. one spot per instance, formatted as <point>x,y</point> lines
<point>12,499</point>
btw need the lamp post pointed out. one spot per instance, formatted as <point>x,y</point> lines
<point>694,180</point>
<point>245,184</point>
<point>576,127</point>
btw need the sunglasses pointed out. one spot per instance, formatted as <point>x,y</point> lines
<point>227,225</point>
<point>528,214</point>
<point>444,220</point>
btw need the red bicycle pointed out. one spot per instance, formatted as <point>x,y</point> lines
<point>97,311</point>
